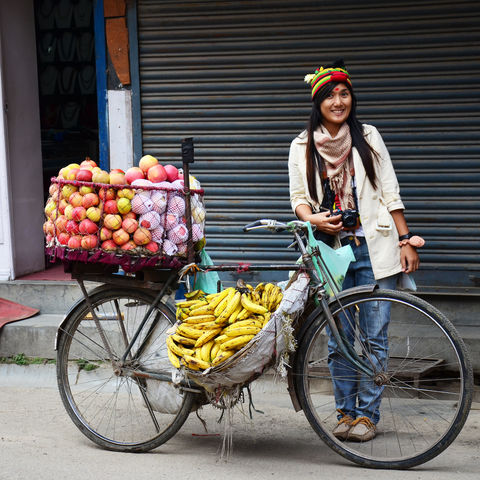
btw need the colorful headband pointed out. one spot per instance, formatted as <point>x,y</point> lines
<point>325,75</point>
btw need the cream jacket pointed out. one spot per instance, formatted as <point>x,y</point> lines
<point>374,205</point>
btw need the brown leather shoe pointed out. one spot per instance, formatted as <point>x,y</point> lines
<point>362,430</point>
<point>343,426</point>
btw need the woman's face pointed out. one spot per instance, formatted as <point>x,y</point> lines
<point>336,108</point>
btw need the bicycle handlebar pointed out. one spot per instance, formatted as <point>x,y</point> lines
<point>275,225</point>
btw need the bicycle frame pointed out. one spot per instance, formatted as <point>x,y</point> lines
<point>312,262</point>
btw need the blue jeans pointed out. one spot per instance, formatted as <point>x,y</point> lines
<point>359,397</point>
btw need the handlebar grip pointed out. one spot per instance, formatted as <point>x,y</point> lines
<point>256,223</point>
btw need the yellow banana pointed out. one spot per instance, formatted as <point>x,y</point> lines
<point>221,338</point>
<point>267,318</point>
<point>177,338</point>
<point>177,349</point>
<point>251,306</point>
<point>276,291</point>
<point>219,297</point>
<point>201,310</point>
<point>236,342</point>
<point>188,331</point>
<point>223,304</point>
<point>200,319</point>
<point>214,351</point>
<point>195,363</point>
<point>265,293</point>
<point>260,287</point>
<point>233,317</point>
<point>191,303</point>
<point>247,330</point>
<point>205,326</point>
<point>243,314</point>
<point>193,295</point>
<point>206,337</point>
<point>231,306</point>
<point>174,360</point>
<point>181,314</point>
<point>205,350</point>
<point>222,356</point>
<point>243,323</point>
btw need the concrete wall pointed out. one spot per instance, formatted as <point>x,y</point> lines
<point>23,159</point>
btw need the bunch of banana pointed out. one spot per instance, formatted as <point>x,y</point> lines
<point>214,327</point>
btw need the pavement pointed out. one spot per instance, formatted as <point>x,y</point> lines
<point>39,441</point>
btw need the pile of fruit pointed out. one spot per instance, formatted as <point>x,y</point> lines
<point>140,211</point>
<point>212,328</point>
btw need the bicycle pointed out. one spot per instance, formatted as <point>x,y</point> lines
<point>112,356</point>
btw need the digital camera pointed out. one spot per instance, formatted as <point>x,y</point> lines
<point>349,217</point>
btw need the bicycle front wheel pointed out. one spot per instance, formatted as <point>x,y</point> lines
<point>421,386</point>
<point>107,398</point>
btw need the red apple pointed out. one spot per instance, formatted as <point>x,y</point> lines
<point>101,176</point>
<point>79,214</point>
<point>75,241</point>
<point>146,162</point>
<point>142,236</point>
<point>72,227</point>
<point>90,200</point>
<point>69,211</point>
<point>61,223</point>
<point>53,188</point>
<point>106,194</point>
<point>152,246</point>
<point>129,215</point>
<point>130,245</point>
<point>110,206</point>
<point>112,222</point>
<point>63,238</point>
<point>88,163</point>
<point>49,227</point>
<point>89,241</point>
<point>172,172</point>
<point>117,177</point>
<point>67,190</point>
<point>105,234</point>
<point>157,174</point>
<point>126,193</point>
<point>94,214</point>
<point>71,174</point>
<point>87,227</point>
<point>120,236</point>
<point>62,205</point>
<point>109,245</point>
<point>84,190</point>
<point>133,173</point>
<point>129,225</point>
<point>75,199</point>
<point>84,175</point>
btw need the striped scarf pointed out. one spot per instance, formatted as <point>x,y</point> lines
<point>335,153</point>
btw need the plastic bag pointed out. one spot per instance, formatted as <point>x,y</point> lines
<point>337,261</point>
<point>207,281</point>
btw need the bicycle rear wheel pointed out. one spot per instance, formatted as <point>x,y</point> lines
<point>425,381</point>
<point>106,399</point>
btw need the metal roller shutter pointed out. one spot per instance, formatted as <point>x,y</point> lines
<point>230,74</point>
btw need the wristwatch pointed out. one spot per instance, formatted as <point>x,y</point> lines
<point>407,236</point>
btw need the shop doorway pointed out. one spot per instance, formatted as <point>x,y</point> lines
<point>67,83</point>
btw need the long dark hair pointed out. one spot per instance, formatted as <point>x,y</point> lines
<point>315,163</point>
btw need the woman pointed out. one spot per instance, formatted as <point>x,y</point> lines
<point>338,163</point>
